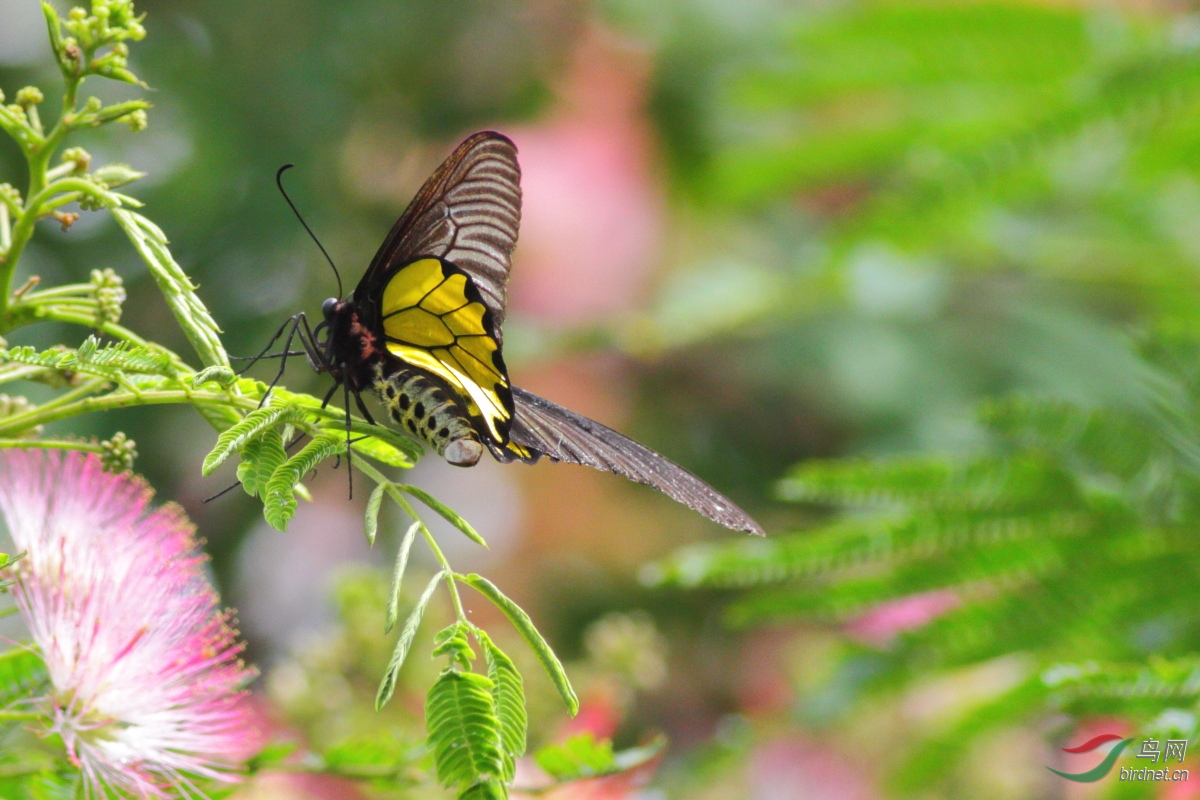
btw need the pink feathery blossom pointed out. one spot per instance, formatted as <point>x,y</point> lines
<point>146,681</point>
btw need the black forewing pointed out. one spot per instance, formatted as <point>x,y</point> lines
<point>562,435</point>
<point>468,213</point>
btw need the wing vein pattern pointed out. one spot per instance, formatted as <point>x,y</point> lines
<point>468,213</point>
<point>563,435</point>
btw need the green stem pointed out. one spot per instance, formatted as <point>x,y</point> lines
<point>58,314</point>
<point>24,312</point>
<point>50,444</point>
<point>19,716</point>
<point>19,130</point>
<point>60,201</point>
<point>39,156</point>
<point>38,416</point>
<point>35,119</point>
<point>402,501</point>
<point>69,289</point>
<point>16,372</point>
<point>22,231</point>
<point>78,393</point>
<point>66,303</point>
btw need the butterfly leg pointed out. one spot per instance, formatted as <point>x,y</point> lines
<point>362,407</point>
<point>263,354</point>
<point>366,415</point>
<point>311,351</point>
<point>346,403</point>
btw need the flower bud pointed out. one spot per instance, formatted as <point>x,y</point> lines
<point>111,176</point>
<point>118,453</point>
<point>110,294</point>
<point>137,121</point>
<point>11,406</point>
<point>10,194</point>
<point>29,96</point>
<point>80,157</point>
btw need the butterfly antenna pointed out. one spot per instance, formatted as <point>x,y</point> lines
<point>282,191</point>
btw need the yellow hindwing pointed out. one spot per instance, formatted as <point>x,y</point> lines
<point>430,323</point>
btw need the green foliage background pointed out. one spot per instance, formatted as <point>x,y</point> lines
<point>931,314</point>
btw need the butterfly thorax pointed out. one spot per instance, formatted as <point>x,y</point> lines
<point>352,348</point>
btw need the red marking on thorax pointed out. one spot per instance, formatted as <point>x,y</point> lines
<point>365,337</point>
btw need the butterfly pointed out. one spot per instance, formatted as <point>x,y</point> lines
<point>422,331</point>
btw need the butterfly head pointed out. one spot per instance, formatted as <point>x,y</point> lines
<point>329,308</point>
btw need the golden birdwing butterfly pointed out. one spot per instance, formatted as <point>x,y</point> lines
<point>423,330</point>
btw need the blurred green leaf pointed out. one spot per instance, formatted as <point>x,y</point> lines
<point>509,696</point>
<point>530,634</point>
<point>465,733</point>
<point>22,676</point>
<point>388,685</point>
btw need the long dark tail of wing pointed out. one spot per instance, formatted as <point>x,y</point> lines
<point>543,428</point>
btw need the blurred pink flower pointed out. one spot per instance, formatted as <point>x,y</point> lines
<point>790,768</point>
<point>593,212</point>
<point>146,681</point>
<point>884,622</point>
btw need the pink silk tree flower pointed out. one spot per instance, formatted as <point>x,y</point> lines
<point>147,685</point>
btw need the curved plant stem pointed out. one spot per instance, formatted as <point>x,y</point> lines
<point>19,423</point>
<point>402,501</point>
<point>51,444</point>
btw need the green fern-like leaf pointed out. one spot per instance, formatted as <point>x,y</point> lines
<point>393,606</point>
<point>509,696</point>
<point>447,513</point>
<point>396,450</point>
<point>926,766</point>
<point>581,756</point>
<point>488,790</point>
<point>464,732</point>
<point>371,518</point>
<point>453,643</point>
<point>279,501</point>
<point>388,685</point>
<point>114,362</point>
<point>382,452</point>
<point>252,426</point>
<point>991,484</point>
<point>529,632</point>
<point>191,314</point>
<point>259,459</point>
<point>969,576</point>
<point>119,357</point>
<point>1161,680</point>
<point>853,546</point>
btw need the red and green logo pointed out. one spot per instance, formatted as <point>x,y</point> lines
<point>1104,767</point>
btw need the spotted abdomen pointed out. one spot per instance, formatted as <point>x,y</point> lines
<point>425,410</point>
